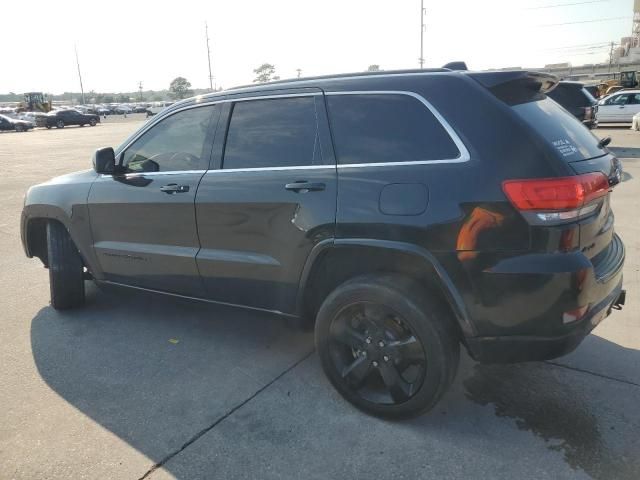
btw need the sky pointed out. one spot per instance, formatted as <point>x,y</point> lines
<point>121,43</point>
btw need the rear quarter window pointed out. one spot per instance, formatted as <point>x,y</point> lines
<point>386,128</point>
<point>566,135</point>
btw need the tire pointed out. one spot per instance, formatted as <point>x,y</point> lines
<point>19,128</point>
<point>82,124</point>
<point>400,370</point>
<point>66,273</point>
<point>48,127</point>
<point>59,124</point>
<point>93,122</point>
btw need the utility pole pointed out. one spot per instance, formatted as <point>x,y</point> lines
<point>79,75</point>
<point>140,89</point>
<point>299,72</point>
<point>206,29</point>
<point>610,57</point>
<point>422,29</point>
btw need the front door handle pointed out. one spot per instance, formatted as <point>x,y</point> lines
<point>174,188</point>
<point>303,186</point>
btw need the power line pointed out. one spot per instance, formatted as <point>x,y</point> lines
<point>579,46</point>
<point>565,4</point>
<point>584,21</point>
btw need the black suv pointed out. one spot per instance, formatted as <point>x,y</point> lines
<point>577,100</point>
<point>62,118</point>
<point>402,213</point>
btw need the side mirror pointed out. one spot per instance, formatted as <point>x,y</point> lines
<point>104,160</point>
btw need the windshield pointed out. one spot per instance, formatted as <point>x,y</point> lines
<point>572,140</point>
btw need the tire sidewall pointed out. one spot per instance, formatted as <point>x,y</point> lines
<point>425,328</point>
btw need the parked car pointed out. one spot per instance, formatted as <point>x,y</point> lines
<point>619,107</point>
<point>38,119</point>
<point>575,98</point>
<point>122,109</point>
<point>63,118</point>
<point>8,123</point>
<point>402,214</point>
<point>157,107</point>
<point>103,111</point>
<point>635,122</point>
<point>140,109</point>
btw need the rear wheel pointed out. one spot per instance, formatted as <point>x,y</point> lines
<point>387,346</point>
<point>19,128</point>
<point>48,127</point>
<point>92,122</point>
<point>59,124</point>
<point>66,272</point>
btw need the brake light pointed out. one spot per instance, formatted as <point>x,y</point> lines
<point>557,199</point>
<point>556,193</point>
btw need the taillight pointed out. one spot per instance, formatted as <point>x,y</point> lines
<point>557,199</point>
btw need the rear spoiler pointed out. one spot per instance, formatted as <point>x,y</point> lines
<point>517,86</point>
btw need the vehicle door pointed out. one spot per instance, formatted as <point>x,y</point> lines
<point>268,202</point>
<point>632,107</point>
<point>142,218</point>
<point>613,108</point>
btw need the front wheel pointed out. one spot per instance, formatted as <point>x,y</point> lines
<point>48,127</point>
<point>388,347</point>
<point>66,271</point>
<point>92,122</point>
<point>19,128</point>
<point>59,124</point>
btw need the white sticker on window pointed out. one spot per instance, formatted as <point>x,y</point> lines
<point>565,147</point>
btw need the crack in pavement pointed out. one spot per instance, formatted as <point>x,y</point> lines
<point>205,430</point>
<point>588,372</point>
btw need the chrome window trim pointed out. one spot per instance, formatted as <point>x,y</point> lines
<point>151,174</point>
<point>271,169</point>
<point>462,158</point>
<point>464,153</point>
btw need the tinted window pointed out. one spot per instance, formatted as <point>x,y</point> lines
<point>386,128</point>
<point>572,140</point>
<point>174,144</point>
<point>571,96</point>
<point>272,133</point>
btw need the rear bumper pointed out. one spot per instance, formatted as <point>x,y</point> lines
<point>513,348</point>
<point>534,314</point>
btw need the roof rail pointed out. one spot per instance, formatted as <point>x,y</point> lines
<point>345,75</point>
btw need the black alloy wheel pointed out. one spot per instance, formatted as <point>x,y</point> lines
<point>387,344</point>
<point>377,354</point>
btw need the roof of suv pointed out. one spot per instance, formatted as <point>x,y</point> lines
<point>489,79</point>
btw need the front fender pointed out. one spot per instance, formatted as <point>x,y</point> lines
<point>63,199</point>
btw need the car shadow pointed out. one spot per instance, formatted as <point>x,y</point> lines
<point>155,370</point>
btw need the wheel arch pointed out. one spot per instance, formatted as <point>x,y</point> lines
<point>34,234</point>
<point>363,256</point>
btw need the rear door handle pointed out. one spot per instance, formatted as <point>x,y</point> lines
<point>303,187</point>
<point>174,188</point>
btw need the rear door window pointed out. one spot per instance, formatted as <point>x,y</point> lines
<point>280,132</point>
<point>386,128</point>
<point>572,140</point>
